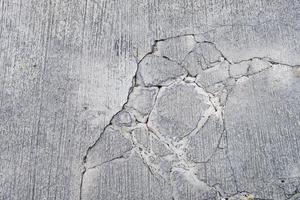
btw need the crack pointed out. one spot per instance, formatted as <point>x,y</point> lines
<point>110,122</point>
<point>294,196</point>
<point>154,45</point>
<point>265,58</point>
<point>104,129</point>
<point>225,134</point>
<point>121,157</point>
<point>268,60</point>
<point>190,174</point>
<point>181,162</point>
<point>164,83</point>
<point>215,46</point>
<point>146,155</point>
<point>152,169</point>
<point>232,169</point>
<point>81,183</point>
<point>248,74</point>
<point>176,36</point>
<point>155,100</point>
<point>178,148</point>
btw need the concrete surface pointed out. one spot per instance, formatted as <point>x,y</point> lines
<point>138,99</point>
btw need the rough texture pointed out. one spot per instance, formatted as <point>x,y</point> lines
<point>264,142</point>
<point>212,110</point>
<point>209,135</point>
<point>178,109</point>
<point>158,71</point>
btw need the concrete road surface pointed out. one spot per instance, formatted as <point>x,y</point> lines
<point>149,99</point>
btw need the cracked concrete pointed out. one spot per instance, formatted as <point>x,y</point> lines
<point>185,129</point>
<point>165,100</point>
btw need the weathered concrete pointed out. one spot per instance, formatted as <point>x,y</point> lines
<point>149,99</point>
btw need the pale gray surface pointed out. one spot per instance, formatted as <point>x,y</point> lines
<point>65,71</point>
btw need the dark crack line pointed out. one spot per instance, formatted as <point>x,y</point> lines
<point>99,138</point>
<point>225,132</point>
<point>134,84</point>
<point>121,157</point>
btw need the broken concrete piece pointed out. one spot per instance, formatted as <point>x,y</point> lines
<point>217,171</point>
<point>248,67</point>
<point>175,48</point>
<point>141,136</point>
<point>204,56</point>
<point>209,55</point>
<point>192,63</point>
<point>142,100</point>
<point>158,71</point>
<point>122,118</point>
<point>204,143</point>
<point>145,138</point>
<point>66,68</point>
<point>111,145</point>
<point>213,75</point>
<point>185,129</point>
<point>178,109</point>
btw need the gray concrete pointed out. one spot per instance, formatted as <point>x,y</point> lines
<point>149,100</point>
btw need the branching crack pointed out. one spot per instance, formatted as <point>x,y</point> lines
<point>178,147</point>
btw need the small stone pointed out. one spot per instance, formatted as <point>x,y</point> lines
<point>122,118</point>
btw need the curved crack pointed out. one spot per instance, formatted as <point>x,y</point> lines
<point>178,147</point>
